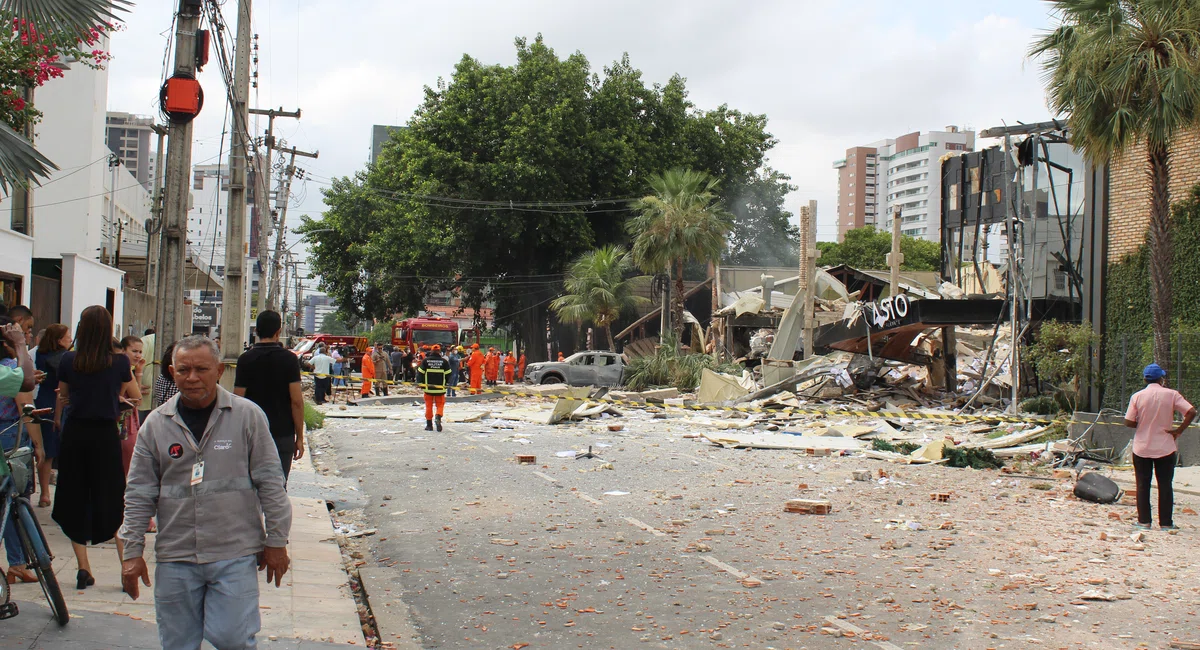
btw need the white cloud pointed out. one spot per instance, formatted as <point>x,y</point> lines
<point>828,75</point>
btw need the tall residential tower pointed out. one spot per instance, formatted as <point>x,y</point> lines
<point>875,179</point>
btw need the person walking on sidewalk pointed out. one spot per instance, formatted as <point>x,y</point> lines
<point>324,367</point>
<point>433,375</point>
<point>205,463</point>
<point>56,340</point>
<point>1155,450</point>
<point>90,495</point>
<point>268,374</point>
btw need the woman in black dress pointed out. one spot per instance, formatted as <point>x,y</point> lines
<point>89,502</point>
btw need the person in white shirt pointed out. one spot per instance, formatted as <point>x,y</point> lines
<point>323,375</point>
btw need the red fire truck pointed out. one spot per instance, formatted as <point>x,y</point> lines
<point>410,334</point>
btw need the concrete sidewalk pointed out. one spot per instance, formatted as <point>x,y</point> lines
<point>313,604</point>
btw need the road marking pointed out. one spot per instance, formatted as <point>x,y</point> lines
<point>548,478</point>
<point>858,631</point>
<point>589,499</point>
<point>724,567</point>
<point>646,527</point>
<point>489,449</point>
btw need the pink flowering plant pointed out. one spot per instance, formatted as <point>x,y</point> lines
<point>29,58</point>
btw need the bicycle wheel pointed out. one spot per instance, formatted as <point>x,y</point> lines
<point>37,555</point>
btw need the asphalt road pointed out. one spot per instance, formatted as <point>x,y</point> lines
<point>698,552</point>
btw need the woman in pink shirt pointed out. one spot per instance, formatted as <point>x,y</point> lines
<point>1152,415</point>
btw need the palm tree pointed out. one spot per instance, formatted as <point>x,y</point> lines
<point>19,160</point>
<point>1128,72</point>
<point>679,222</point>
<point>598,290</point>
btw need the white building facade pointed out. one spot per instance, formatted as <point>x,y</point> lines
<point>75,214</point>
<point>904,172</point>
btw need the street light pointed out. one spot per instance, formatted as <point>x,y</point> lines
<point>311,232</point>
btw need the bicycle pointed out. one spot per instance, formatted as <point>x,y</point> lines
<point>15,471</point>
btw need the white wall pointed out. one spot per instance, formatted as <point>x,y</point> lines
<point>86,282</point>
<point>68,208</point>
<point>16,253</point>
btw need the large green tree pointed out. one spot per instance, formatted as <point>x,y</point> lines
<point>1128,72</point>
<point>598,288</point>
<point>762,233</point>
<point>507,173</point>
<point>681,221</point>
<point>867,248</point>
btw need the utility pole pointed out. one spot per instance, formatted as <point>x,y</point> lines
<point>299,292</point>
<point>283,309</point>
<point>154,229</point>
<point>895,258</point>
<point>808,269</point>
<point>233,316</point>
<point>281,204</point>
<point>264,216</point>
<point>177,188</point>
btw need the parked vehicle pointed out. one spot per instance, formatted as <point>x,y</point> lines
<point>590,368</point>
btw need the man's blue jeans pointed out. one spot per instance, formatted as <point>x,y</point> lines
<point>217,602</point>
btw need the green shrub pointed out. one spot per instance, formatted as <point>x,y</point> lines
<point>313,419</point>
<point>904,448</point>
<point>669,367</point>
<point>1062,357</point>
<point>971,457</point>
<point>1041,405</point>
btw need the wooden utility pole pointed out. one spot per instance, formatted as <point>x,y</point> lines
<point>234,327</point>
<point>281,204</point>
<point>895,258</point>
<point>264,216</point>
<point>299,294</point>
<point>170,313</point>
<point>808,270</point>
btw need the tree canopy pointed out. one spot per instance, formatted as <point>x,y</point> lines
<point>506,173</point>
<point>867,248</point>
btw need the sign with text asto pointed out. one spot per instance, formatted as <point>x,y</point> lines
<point>887,310</point>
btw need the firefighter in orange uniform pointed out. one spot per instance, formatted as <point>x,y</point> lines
<point>368,371</point>
<point>510,367</point>
<point>475,364</point>
<point>560,356</point>
<point>521,368</point>
<point>492,367</point>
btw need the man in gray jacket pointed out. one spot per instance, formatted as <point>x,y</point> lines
<point>206,465</point>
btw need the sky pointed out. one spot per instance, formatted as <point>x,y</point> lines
<point>828,75</point>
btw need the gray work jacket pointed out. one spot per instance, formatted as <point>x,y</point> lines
<point>222,517</point>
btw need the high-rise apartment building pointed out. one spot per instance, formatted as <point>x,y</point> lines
<point>902,172</point>
<point>380,134</point>
<point>129,137</point>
